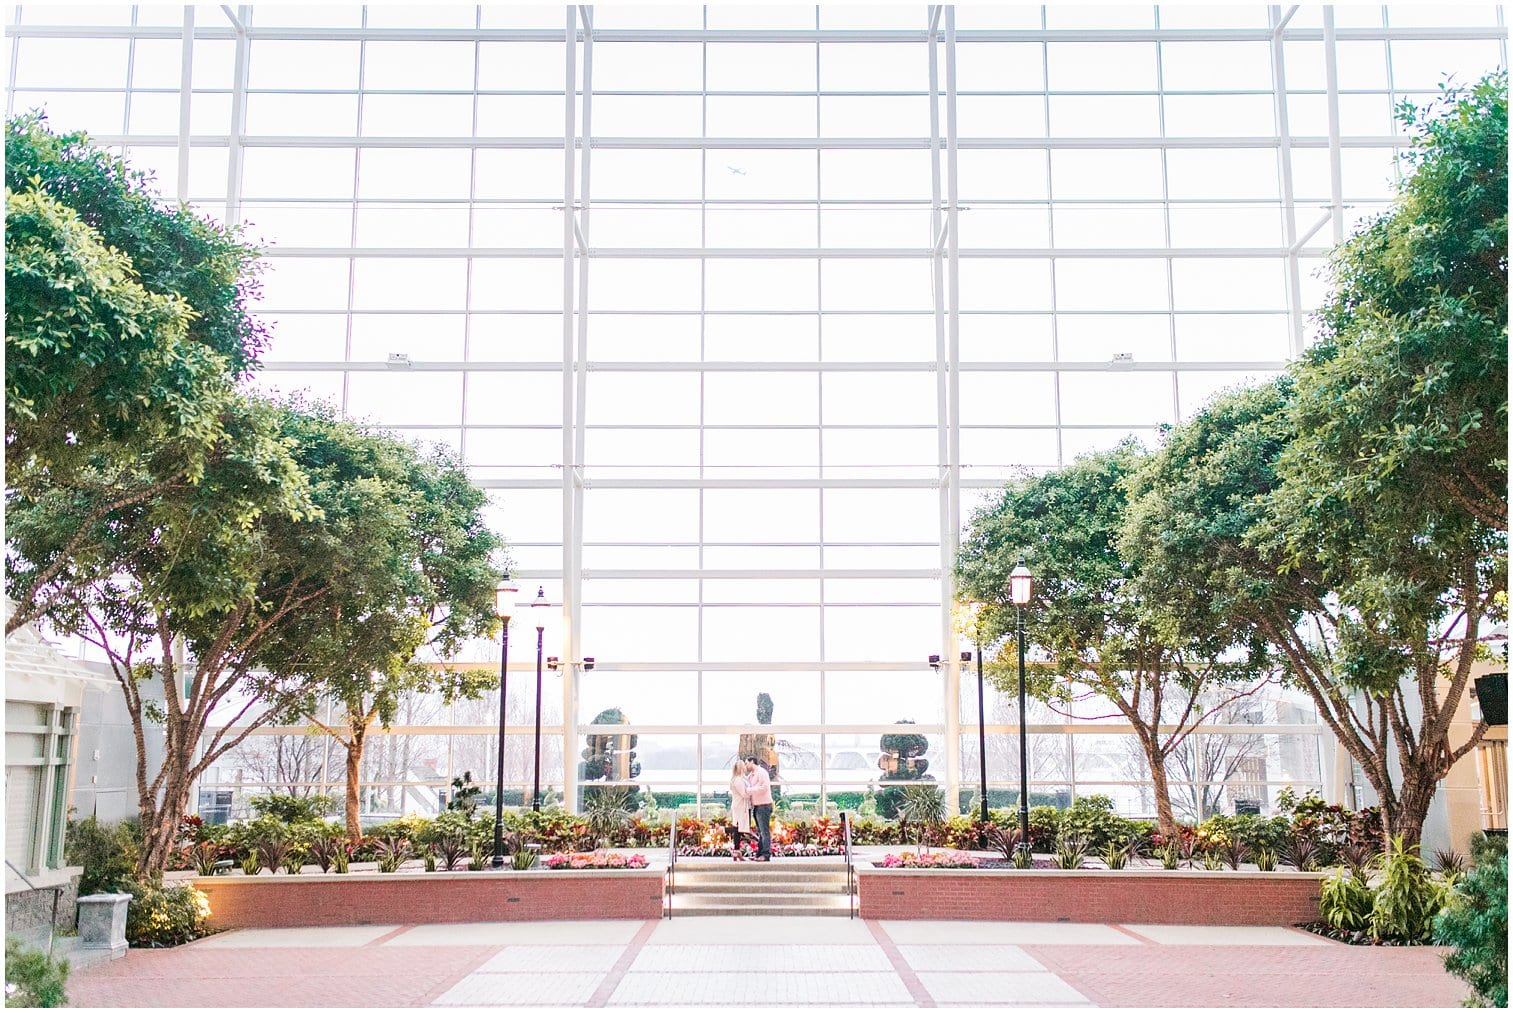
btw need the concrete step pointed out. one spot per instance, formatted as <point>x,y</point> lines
<point>764,869</point>
<point>760,874</point>
<point>787,887</point>
<point>782,900</point>
<point>746,905</point>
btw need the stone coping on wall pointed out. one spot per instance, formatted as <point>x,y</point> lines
<point>867,869</point>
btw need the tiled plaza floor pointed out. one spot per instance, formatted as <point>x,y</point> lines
<point>756,962</point>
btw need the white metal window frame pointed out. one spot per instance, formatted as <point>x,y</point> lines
<point>940,36</point>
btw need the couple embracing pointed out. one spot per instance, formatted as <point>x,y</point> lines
<point>750,799</point>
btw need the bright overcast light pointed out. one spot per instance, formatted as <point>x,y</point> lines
<point>764,466</point>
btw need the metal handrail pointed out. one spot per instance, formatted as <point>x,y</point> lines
<point>672,859</point>
<point>850,867</point>
<point>52,926</point>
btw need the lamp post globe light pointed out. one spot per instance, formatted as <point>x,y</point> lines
<point>538,611</point>
<point>504,607</point>
<point>1021,590</point>
<point>975,610</point>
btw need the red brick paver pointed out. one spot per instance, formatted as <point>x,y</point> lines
<point>191,976</point>
<point>1361,977</point>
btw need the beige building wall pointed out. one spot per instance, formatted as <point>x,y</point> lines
<point>1461,791</point>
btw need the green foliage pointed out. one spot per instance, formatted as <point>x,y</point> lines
<point>1475,922</point>
<point>393,852</point>
<point>606,812</point>
<point>251,863</point>
<point>524,859</point>
<point>1092,818</point>
<point>292,808</point>
<point>464,793</point>
<point>38,978</point>
<point>165,916</point>
<point>1256,832</point>
<point>107,851</point>
<point>1407,898</point>
<point>1098,618</point>
<point>1070,852</point>
<point>1346,902</point>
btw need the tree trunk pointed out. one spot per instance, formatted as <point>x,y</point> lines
<point>354,746</point>
<point>1166,820</point>
<point>160,826</point>
<point>1406,818</point>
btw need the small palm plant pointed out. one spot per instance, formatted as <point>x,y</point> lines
<point>605,812</point>
<point>925,805</point>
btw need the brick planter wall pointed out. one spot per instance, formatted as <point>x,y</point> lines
<point>1159,897</point>
<point>282,901</point>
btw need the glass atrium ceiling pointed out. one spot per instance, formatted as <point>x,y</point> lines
<point>739,311</point>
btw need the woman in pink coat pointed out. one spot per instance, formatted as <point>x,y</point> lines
<point>740,809</point>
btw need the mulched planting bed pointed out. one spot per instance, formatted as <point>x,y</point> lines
<point>1354,937</point>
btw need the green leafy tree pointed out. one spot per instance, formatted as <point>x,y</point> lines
<point>1394,484</point>
<point>1353,515</point>
<point>125,330</point>
<point>1474,921</point>
<point>262,605</point>
<point>1102,623</point>
<point>426,588</point>
<point>1200,507</point>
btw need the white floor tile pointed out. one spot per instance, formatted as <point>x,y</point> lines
<point>1227,935</point>
<point>746,990</point>
<point>336,935</point>
<point>521,990</point>
<point>969,957</point>
<point>999,989</point>
<point>734,957</point>
<point>1012,933</point>
<point>789,931</point>
<point>564,958</point>
<point>603,933</point>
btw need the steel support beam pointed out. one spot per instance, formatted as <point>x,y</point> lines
<point>186,93</point>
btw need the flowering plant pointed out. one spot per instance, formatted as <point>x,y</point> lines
<point>936,860</point>
<point>594,860</point>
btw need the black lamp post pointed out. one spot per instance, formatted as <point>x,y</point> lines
<point>538,609</point>
<point>504,607</point>
<point>1021,589</point>
<point>982,721</point>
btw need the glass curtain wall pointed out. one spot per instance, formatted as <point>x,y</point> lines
<point>739,312</point>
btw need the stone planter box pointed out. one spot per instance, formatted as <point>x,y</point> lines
<point>422,898</point>
<point>1144,896</point>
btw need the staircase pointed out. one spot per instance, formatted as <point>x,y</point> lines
<point>778,887</point>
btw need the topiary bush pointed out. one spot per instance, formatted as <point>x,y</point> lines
<point>39,980</point>
<point>165,916</point>
<point>1475,922</point>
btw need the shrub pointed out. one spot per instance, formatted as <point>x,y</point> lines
<point>107,851</point>
<point>1475,922</point>
<point>38,978</point>
<point>1093,819</point>
<point>165,916</point>
<point>1407,899</point>
<point>1345,902</point>
<point>292,808</point>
